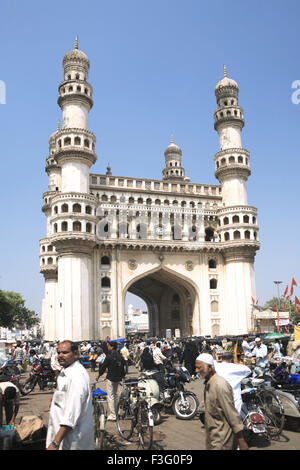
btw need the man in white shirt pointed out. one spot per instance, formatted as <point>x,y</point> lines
<point>233,374</point>
<point>247,347</point>
<point>260,352</point>
<point>71,415</point>
<point>159,358</point>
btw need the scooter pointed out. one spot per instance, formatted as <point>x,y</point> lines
<point>183,403</point>
<point>252,416</point>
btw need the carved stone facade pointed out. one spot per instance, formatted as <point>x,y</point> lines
<point>186,249</point>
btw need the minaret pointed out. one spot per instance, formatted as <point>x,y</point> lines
<point>232,161</point>
<point>238,229</point>
<point>73,208</point>
<point>173,170</point>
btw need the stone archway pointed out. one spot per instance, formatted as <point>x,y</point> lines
<point>172,301</point>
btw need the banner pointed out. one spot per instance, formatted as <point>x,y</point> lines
<point>297,333</point>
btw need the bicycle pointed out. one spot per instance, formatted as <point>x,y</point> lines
<point>99,414</point>
<point>134,413</point>
<point>273,411</point>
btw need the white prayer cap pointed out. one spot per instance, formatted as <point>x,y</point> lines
<point>206,358</point>
<point>257,339</point>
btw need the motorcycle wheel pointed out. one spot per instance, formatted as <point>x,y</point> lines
<point>27,388</point>
<point>186,409</point>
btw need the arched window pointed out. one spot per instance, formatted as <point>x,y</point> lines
<point>212,264</point>
<point>76,208</point>
<point>104,198</point>
<point>214,306</point>
<point>209,235</point>
<point>236,235</point>
<point>140,200</point>
<point>246,219</point>
<point>67,141</point>
<point>77,226</point>
<point>235,219</point>
<point>88,227</point>
<point>88,210</point>
<point>105,282</point>
<point>77,141</point>
<point>225,221</point>
<point>64,226</point>
<point>231,159</point>
<point>247,234</point>
<point>86,143</point>
<point>213,283</point>
<point>131,200</point>
<point>175,299</point>
<point>105,261</point>
<point>55,228</point>
<point>240,159</point>
<point>50,261</point>
<point>226,236</point>
<point>65,208</point>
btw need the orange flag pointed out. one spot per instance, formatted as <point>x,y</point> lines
<point>297,302</point>
<point>253,300</point>
<point>286,290</point>
<point>294,283</point>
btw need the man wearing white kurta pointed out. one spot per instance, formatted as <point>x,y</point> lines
<point>71,415</point>
<point>233,374</point>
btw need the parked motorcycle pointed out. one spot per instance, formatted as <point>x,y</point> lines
<point>251,413</point>
<point>41,374</point>
<point>172,396</point>
<point>287,386</point>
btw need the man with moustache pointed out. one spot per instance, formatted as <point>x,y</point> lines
<point>223,424</point>
<point>71,415</point>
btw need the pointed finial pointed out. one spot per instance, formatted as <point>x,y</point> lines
<point>225,71</point>
<point>58,128</point>
<point>172,139</point>
<point>76,43</point>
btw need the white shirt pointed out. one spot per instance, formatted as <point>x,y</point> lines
<point>158,356</point>
<point>261,354</point>
<point>247,347</point>
<point>233,374</point>
<point>72,406</point>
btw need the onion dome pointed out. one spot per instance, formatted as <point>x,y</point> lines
<point>173,148</point>
<point>76,57</point>
<point>226,86</point>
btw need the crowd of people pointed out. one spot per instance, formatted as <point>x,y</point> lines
<point>71,422</point>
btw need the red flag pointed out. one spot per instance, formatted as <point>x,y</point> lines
<point>297,302</point>
<point>253,300</point>
<point>286,290</point>
<point>294,283</point>
<point>277,320</point>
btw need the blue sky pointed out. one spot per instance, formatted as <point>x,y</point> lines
<point>154,67</point>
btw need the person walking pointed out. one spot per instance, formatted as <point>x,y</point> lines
<point>223,424</point>
<point>70,424</point>
<point>125,354</point>
<point>19,355</point>
<point>115,366</point>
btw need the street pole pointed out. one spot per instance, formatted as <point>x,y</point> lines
<point>278,284</point>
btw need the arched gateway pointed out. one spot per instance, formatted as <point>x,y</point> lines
<point>187,249</point>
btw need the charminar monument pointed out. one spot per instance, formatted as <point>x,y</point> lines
<point>187,249</point>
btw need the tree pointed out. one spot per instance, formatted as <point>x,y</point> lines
<point>13,313</point>
<point>285,305</point>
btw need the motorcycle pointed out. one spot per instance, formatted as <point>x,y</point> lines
<point>251,414</point>
<point>41,374</point>
<point>172,395</point>
<point>287,386</point>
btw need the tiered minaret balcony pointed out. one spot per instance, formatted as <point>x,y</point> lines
<point>232,161</point>
<point>74,144</point>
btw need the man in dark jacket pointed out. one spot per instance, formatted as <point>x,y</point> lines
<point>115,365</point>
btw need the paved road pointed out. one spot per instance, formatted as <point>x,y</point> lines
<point>171,434</point>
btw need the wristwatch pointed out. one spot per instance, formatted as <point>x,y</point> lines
<point>55,444</point>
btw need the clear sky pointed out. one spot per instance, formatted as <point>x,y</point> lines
<point>154,67</point>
